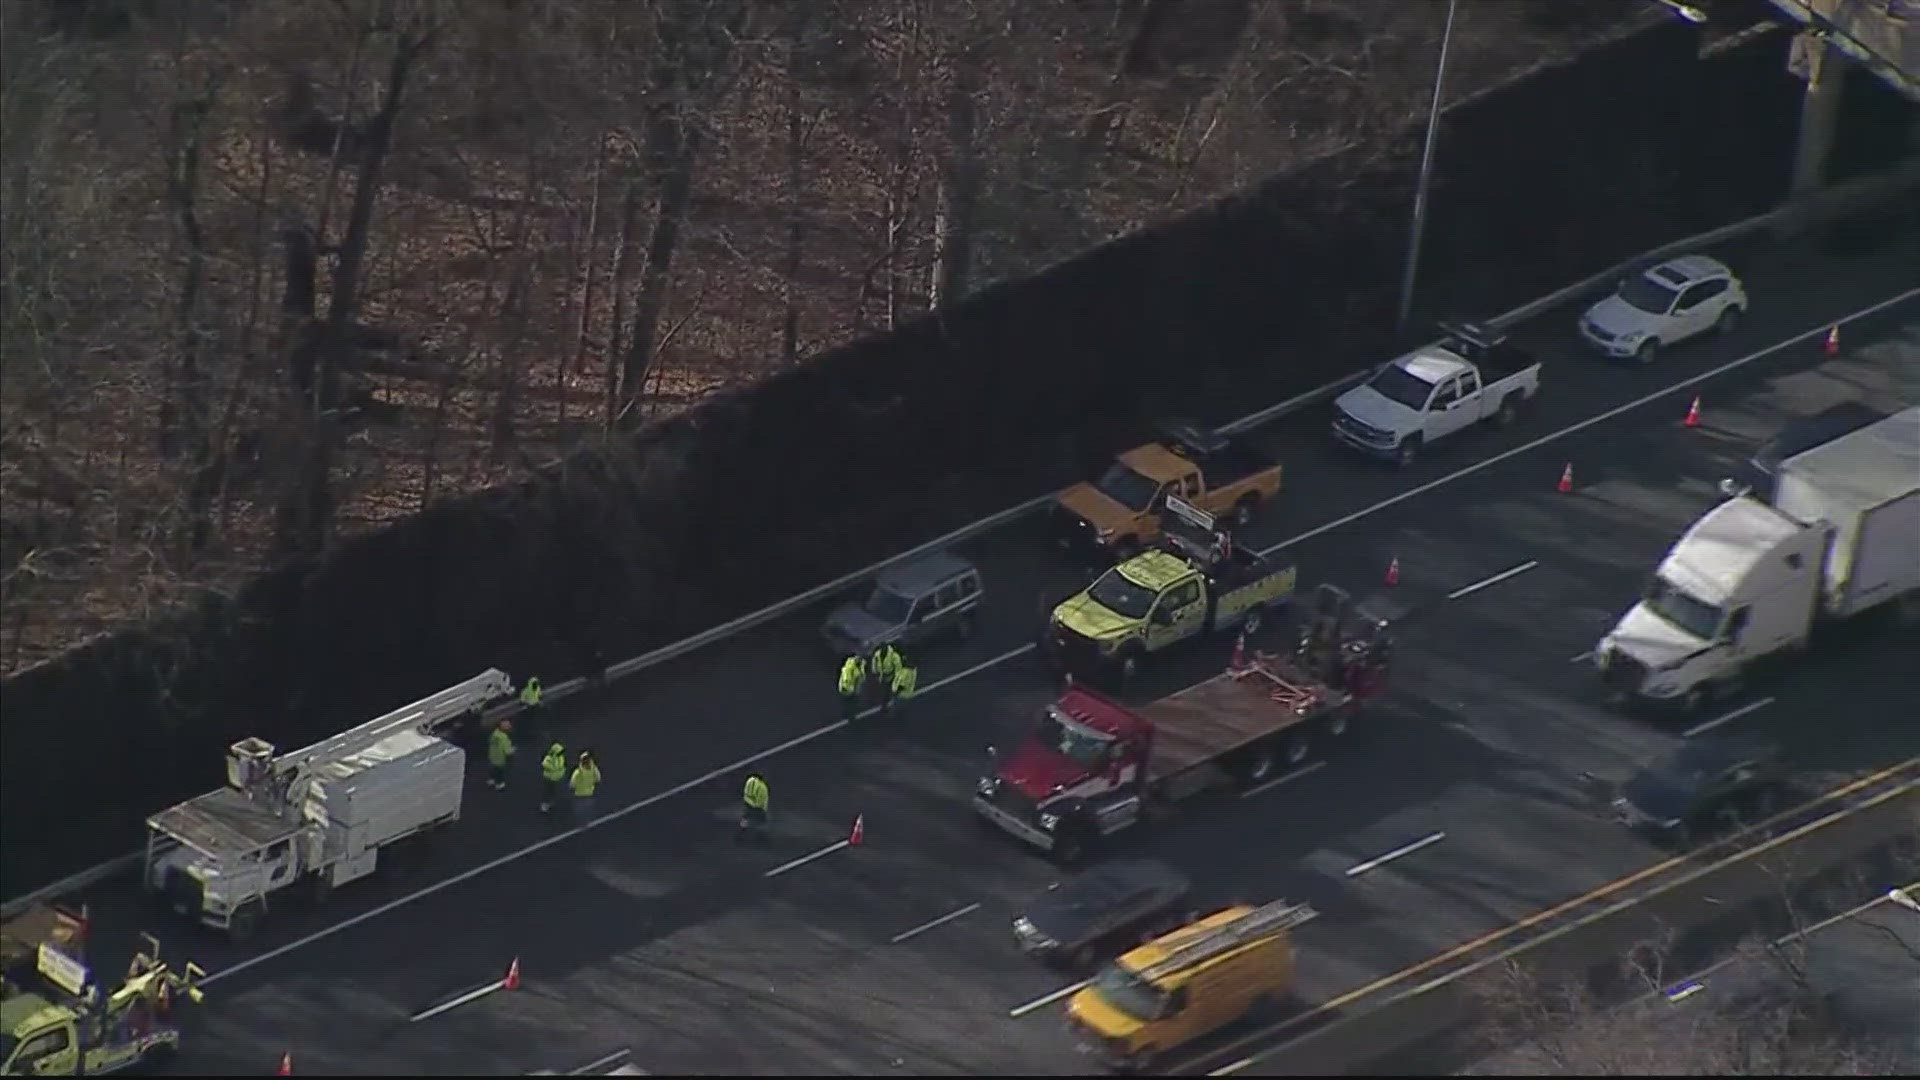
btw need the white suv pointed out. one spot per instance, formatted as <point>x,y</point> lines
<point>1665,304</point>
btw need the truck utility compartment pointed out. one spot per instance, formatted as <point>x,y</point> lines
<point>1209,720</point>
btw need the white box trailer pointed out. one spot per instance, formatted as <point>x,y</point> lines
<point>320,814</point>
<point>1866,485</point>
<point>1750,580</point>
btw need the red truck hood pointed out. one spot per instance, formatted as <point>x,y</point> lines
<point>1037,771</point>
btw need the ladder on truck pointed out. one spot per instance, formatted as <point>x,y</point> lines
<point>1263,921</point>
<point>252,763</point>
<point>1299,698</point>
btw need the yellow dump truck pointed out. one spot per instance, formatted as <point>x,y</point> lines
<point>57,1020</point>
<point>1187,984</point>
<point>1123,512</point>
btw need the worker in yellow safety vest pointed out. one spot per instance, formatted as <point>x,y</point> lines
<point>900,687</point>
<point>499,751</point>
<point>536,713</point>
<point>753,810</point>
<point>886,660</point>
<point>553,773</point>
<point>853,679</point>
<point>585,782</point>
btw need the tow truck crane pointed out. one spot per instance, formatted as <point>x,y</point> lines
<point>57,1020</point>
<point>322,813</point>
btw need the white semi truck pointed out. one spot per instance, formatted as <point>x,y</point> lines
<point>1752,579</point>
<point>321,814</point>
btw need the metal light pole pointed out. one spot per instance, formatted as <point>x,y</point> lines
<point>1426,171</point>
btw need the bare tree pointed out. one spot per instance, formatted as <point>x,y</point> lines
<point>307,507</point>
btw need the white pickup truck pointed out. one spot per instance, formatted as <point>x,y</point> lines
<point>1471,374</point>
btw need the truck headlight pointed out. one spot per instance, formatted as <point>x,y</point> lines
<point>1049,821</point>
<point>987,786</point>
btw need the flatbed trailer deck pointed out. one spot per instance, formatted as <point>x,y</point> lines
<point>1213,721</point>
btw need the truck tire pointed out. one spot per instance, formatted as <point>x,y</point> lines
<point>1409,451</point>
<point>1127,665</point>
<point>1072,844</point>
<point>1250,619</point>
<point>1509,412</point>
<point>963,629</point>
<point>1296,747</point>
<point>157,1059</point>
<point>246,919</point>
<point>1339,720</point>
<point>1244,510</point>
<point>1255,766</point>
<point>1125,548</point>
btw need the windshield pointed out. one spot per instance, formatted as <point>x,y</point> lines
<point>1648,295</point>
<point>1083,744</point>
<point>1689,613</point>
<point>1115,593</point>
<point>1125,991</point>
<point>1403,386</point>
<point>1128,488</point>
<point>888,606</point>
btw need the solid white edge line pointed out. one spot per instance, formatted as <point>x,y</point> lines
<point>1048,999</point>
<point>1399,852</point>
<point>1687,383</point>
<point>1702,729</point>
<point>1512,571</point>
<point>542,845</point>
<point>615,1058</point>
<point>805,859</point>
<point>943,920</point>
<point>1296,774</point>
<point>475,994</point>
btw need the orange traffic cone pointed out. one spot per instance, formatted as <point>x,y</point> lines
<point>1239,660</point>
<point>1566,479</point>
<point>1393,571</point>
<point>1833,341</point>
<point>512,981</point>
<point>1693,413</point>
<point>859,832</point>
<point>286,1065</point>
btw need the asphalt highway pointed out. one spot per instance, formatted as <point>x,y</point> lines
<point>654,932</point>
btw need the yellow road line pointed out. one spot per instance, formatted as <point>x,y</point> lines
<point>1603,891</point>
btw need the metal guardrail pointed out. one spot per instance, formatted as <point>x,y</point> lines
<point>1870,188</point>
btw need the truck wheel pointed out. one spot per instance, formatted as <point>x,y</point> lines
<point>1408,452</point>
<point>1298,744</point>
<point>1070,847</point>
<point>157,1059</point>
<point>1337,723</point>
<point>964,628</point>
<point>1256,767</point>
<point>246,919</point>
<point>1126,548</point>
<point>1648,351</point>
<point>1250,622</point>
<point>1129,666</point>
<point>1509,413</point>
<point>1244,510</point>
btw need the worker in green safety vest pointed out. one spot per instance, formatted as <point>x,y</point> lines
<point>753,810</point>
<point>585,783</point>
<point>553,773</point>
<point>900,687</point>
<point>853,679</point>
<point>499,751</point>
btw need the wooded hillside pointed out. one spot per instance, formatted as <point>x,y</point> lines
<point>281,271</point>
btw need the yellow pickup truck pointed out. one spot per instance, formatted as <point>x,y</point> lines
<point>1158,599</point>
<point>1121,513</point>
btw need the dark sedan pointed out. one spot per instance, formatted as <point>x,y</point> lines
<point>1076,921</point>
<point>1705,784</point>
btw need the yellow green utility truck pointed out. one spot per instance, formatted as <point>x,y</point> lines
<point>1196,583</point>
<point>56,1019</point>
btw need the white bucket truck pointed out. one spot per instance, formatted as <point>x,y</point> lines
<point>1750,580</point>
<point>321,814</point>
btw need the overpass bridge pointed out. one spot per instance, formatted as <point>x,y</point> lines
<point>1881,37</point>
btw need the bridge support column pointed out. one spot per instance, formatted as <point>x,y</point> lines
<point>1819,112</point>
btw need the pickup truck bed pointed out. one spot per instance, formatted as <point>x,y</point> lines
<point>1206,721</point>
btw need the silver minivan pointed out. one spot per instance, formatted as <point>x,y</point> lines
<point>910,604</point>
